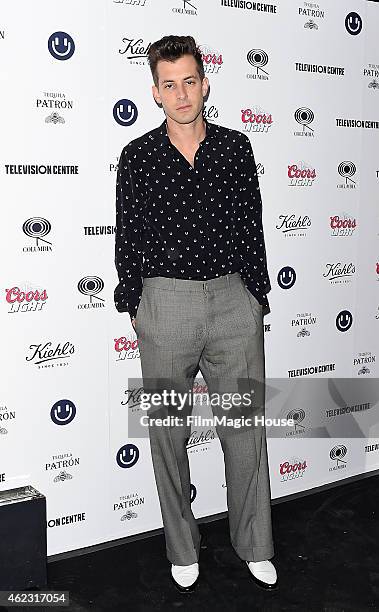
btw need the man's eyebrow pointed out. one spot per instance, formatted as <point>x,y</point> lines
<point>191,76</point>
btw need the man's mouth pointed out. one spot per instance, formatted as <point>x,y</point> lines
<point>186,107</point>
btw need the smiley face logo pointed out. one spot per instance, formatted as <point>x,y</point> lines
<point>63,412</point>
<point>286,277</point>
<point>61,45</point>
<point>127,456</point>
<point>125,112</point>
<point>353,23</point>
<point>344,320</point>
<point>193,493</point>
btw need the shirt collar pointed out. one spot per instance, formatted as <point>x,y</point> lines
<point>210,132</point>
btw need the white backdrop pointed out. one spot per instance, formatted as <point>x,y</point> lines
<point>67,354</point>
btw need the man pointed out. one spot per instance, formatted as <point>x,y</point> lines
<point>191,262</point>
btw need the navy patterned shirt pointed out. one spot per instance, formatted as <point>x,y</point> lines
<point>187,222</point>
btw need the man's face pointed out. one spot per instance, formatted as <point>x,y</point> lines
<point>180,89</point>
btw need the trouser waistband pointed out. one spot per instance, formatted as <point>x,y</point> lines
<point>180,284</point>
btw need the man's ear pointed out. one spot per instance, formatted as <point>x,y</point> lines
<point>156,95</point>
<point>205,86</point>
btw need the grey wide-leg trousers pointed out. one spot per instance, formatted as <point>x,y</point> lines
<point>214,326</point>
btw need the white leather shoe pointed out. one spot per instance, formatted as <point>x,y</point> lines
<point>185,576</point>
<point>263,573</point>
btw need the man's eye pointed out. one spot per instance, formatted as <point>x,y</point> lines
<point>190,82</point>
<point>168,85</point>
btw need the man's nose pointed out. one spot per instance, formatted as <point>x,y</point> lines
<point>181,92</point>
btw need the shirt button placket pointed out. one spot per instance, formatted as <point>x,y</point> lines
<point>200,206</point>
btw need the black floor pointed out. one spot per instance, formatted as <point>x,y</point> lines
<point>327,558</point>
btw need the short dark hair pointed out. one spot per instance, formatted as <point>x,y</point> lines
<point>171,48</point>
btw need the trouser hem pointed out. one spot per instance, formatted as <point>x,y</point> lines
<point>186,557</point>
<point>258,553</point>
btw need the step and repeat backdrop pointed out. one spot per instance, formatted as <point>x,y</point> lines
<point>301,79</point>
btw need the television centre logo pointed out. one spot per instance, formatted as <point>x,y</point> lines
<point>256,119</point>
<point>37,228</point>
<point>41,169</point>
<point>99,230</point>
<point>61,45</point>
<point>262,7</point>
<point>319,69</point>
<point>357,123</point>
<point>347,169</point>
<point>258,59</point>
<point>304,117</point>
<point>91,286</point>
<point>311,370</point>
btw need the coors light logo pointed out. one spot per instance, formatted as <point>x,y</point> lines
<point>294,468</point>
<point>301,174</point>
<point>126,347</point>
<point>26,299</point>
<point>256,119</point>
<point>342,226</point>
<point>212,59</point>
